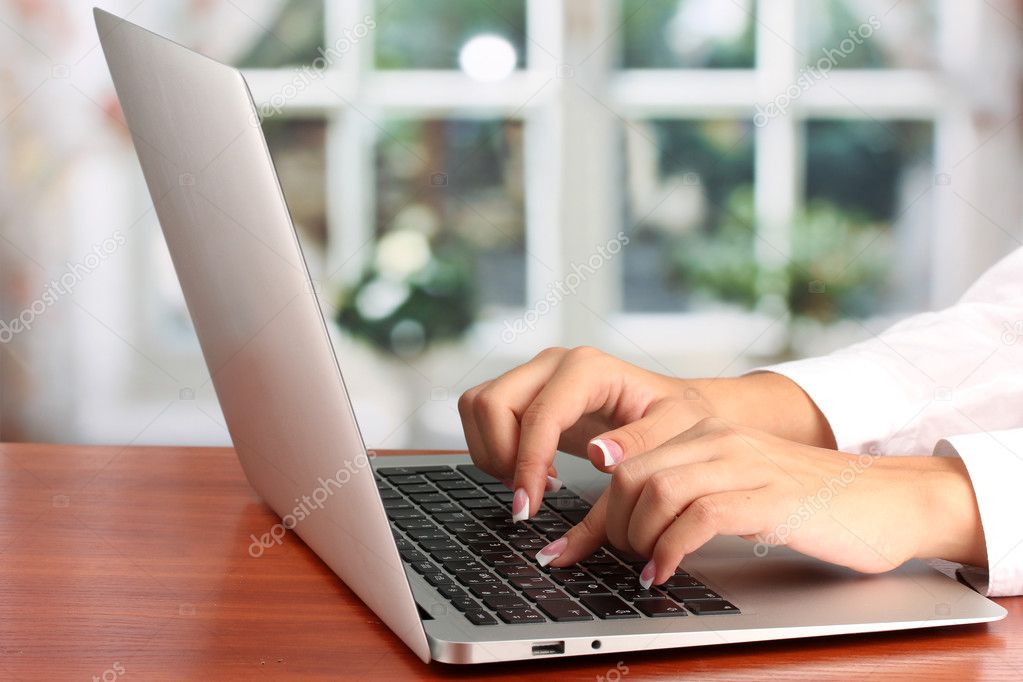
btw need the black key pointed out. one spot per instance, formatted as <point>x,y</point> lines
<point>452,484</point>
<point>502,558</point>
<point>426,534</point>
<point>427,498</point>
<point>411,524</point>
<point>405,479</point>
<point>480,618</point>
<point>398,503</point>
<point>440,543</point>
<point>659,608</point>
<point>490,590</point>
<point>546,527</point>
<point>636,593</point>
<point>532,583</point>
<point>563,492</point>
<point>545,593</point>
<point>563,610</point>
<point>692,593</point>
<point>459,527</point>
<point>453,592</point>
<point>586,589</point>
<point>574,517</point>
<point>404,514</point>
<point>416,488</point>
<point>520,616</point>
<point>402,544</point>
<point>446,475</point>
<point>395,472</point>
<point>412,555</point>
<point>484,546</point>
<point>445,555</point>
<point>711,607</point>
<point>453,517</point>
<point>600,558</point>
<point>533,544</point>
<point>464,605</point>
<point>608,606</point>
<point>438,508</point>
<point>439,580</point>
<point>475,474</point>
<point>563,504</point>
<point>488,508</point>
<point>505,601</point>
<point>495,487</point>
<point>504,497</point>
<point>425,567</point>
<point>682,581</point>
<point>408,471</point>
<point>460,566</point>
<point>469,494</point>
<point>621,582</point>
<point>390,494</point>
<point>609,570</point>
<point>470,578</point>
<point>518,571</point>
<point>570,575</point>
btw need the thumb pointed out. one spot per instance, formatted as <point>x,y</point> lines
<point>581,540</point>
<point>659,424</point>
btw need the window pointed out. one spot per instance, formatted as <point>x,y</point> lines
<point>766,161</point>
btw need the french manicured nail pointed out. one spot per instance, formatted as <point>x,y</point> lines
<point>554,484</point>
<point>613,453</point>
<point>646,577</point>
<point>520,505</point>
<point>551,551</point>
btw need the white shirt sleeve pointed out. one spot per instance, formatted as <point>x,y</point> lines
<point>995,464</point>
<point>930,377</point>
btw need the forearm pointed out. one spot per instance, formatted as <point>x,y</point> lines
<point>768,402</point>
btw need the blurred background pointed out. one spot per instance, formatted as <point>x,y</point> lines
<point>698,186</point>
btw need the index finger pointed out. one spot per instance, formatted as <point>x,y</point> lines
<point>575,389</point>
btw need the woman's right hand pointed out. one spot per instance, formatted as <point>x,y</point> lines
<point>591,404</point>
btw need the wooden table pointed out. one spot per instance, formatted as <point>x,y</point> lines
<point>134,563</point>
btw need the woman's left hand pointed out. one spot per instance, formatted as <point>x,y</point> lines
<point>868,513</point>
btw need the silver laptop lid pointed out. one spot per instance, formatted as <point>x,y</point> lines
<point>262,333</point>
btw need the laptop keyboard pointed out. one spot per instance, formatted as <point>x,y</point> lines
<point>453,526</point>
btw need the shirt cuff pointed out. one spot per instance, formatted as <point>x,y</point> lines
<point>994,462</point>
<point>863,403</point>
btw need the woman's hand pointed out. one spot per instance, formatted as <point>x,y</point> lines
<point>868,513</point>
<point>588,403</point>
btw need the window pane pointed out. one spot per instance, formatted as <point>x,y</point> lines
<point>297,148</point>
<point>864,236</point>
<point>860,34</point>
<point>662,34</point>
<point>688,214</point>
<point>290,37</point>
<point>429,34</point>
<point>460,183</point>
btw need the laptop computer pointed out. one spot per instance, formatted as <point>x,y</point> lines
<point>426,541</point>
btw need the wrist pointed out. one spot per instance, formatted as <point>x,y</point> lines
<point>949,518</point>
<point>768,402</point>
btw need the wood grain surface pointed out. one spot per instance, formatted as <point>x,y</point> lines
<point>133,563</point>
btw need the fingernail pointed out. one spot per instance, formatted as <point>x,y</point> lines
<point>554,484</point>
<point>551,551</point>
<point>612,451</point>
<point>520,505</point>
<point>646,578</point>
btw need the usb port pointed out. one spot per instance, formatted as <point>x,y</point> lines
<point>548,648</point>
